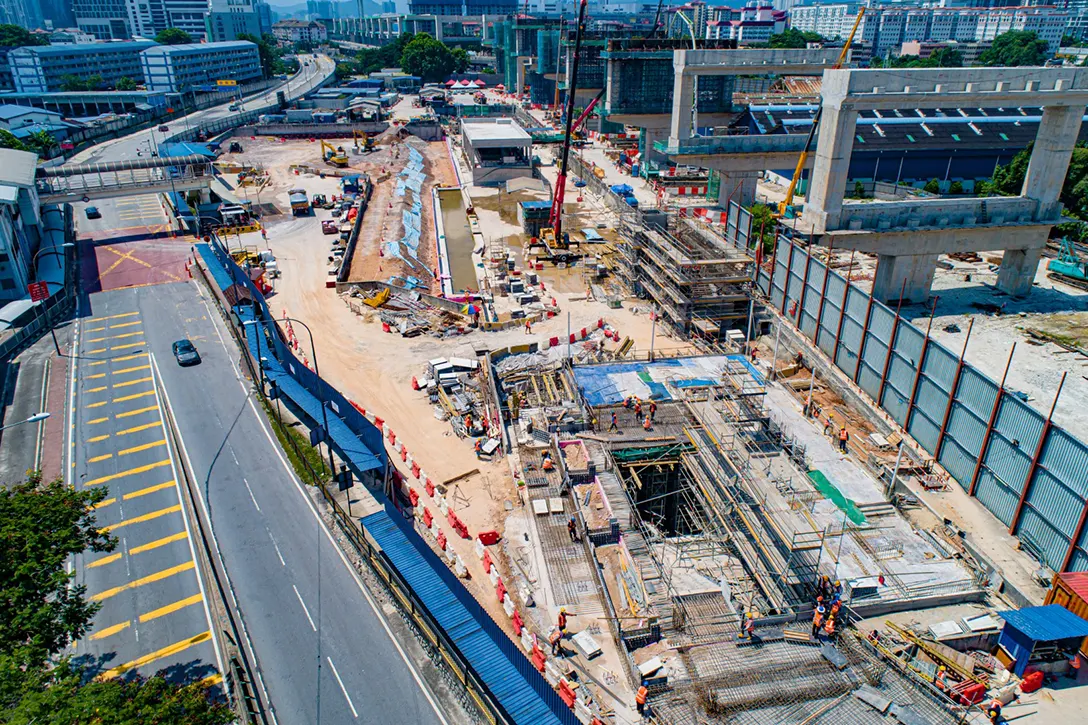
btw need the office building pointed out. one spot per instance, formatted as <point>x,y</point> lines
<point>266,16</point>
<point>226,19</point>
<point>104,19</point>
<point>39,69</point>
<point>322,9</point>
<point>69,36</point>
<point>177,68</point>
<point>20,221</point>
<point>187,15</point>
<point>120,19</point>
<point>300,31</point>
<point>751,24</point>
<point>25,13</point>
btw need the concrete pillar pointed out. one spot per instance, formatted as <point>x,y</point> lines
<point>1050,156</point>
<point>1018,268</point>
<point>742,186</point>
<point>649,137</point>
<point>683,95</point>
<point>891,271</point>
<point>831,168</point>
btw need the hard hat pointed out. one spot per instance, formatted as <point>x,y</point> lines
<point>563,610</point>
<point>819,598</point>
<point>941,668</point>
<point>821,609</point>
<point>838,583</point>
<point>751,616</point>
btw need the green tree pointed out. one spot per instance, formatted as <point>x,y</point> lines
<point>344,70</point>
<point>41,142</point>
<point>932,187</point>
<point>71,83</point>
<point>1016,48</point>
<point>793,38</point>
<point>428,58</point>
<point>763,220</point>
<point>8,141</point>
<point>859,190</point>
<point>126,84</point>
<point>1071,41</point>
<point>268,51</point>
<point>460,60</point>
<point>173,36</point>
<point>1008,180</point>
<point>95,82</point>
<point>955,188</point>
<point>16,36</point>
<point>940,58</point>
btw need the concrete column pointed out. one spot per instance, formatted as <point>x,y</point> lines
<point>1018,268</point>
<point>649,137</point>
<point>1050,156</point>
<point>683,95</point>
<point>830,171</point>
<point>745,194</point>
<point>892,270</point>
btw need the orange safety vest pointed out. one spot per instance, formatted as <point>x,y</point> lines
<point>562,621</point>
<point>817,620</point>
<point>843,435</point>
<point>830,626</point>
<point>640,696</point>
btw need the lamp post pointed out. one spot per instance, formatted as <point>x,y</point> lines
<point>34,268</point>
<point>36,418</point>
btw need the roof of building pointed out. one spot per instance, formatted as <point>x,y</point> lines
<point>32,128</point>
<point>293,23</point>
<point>9,111</point>
<point>493,131</point>
<point>199,48</point>
<point>115,46</point>
<point>1046,624</point>
<point>1077,581</point>
<point>18,167</point>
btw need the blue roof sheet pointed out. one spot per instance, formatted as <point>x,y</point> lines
<point>1046,624</point>
<point>499,663</point>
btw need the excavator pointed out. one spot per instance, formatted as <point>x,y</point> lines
<point>368,142</point>
<point>785,207</point>
<point>334,156</point>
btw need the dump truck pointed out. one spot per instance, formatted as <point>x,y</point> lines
<point>300,204</point>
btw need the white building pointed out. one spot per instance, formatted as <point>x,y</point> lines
<point>300,31</point>
<point>20,221</point>
<point>497,150</point>
<point>753,23</point>
<point>227,19</point>
<point>122,19</point>
<point>42,69</point>
<point>175,68</point>
<point>69,36</point>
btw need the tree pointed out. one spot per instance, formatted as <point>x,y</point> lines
<point>70,83</point>
<point>763,221</point>
<point>9,141</point>
<point>16,36</point>
<point>859,190</point>
<point>95,82</point>
<point>126,84</point>
<point>428,58</point>
<point>173,36</point>
<point>932,187</point>
<point>793,38</point>
<point>1016,48</point>
<point>41,142</point>
<point>266,49</point>
<point>460,60</point>
<point>940,58</point>
<point>955,188</point>
<point>1008,180</point>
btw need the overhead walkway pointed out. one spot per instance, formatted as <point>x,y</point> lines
<point>155,175</point>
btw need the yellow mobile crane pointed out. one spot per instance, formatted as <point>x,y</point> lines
<point>785,208</point>
<point>334,156</point>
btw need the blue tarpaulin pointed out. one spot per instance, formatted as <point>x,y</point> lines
<point>1025,628</point>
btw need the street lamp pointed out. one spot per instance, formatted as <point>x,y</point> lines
<point>36,418</point>
<point>34,268</point>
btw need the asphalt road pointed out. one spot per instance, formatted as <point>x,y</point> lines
<point>300,600</point>
<point>153,614</point>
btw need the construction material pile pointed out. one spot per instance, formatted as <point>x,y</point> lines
<point>455,387</point>
<point>409,313</point>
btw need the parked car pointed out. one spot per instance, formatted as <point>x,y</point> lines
<point>185,353</point>
<point>92,212</point>
<point>164,128</point>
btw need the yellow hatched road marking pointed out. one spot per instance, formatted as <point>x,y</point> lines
<point>98,404</point>
<point>127,334</point>
<point>95,329</point>
<point>149,489</point>
<point>137,429</point>
<point>104,560</point>
<point>180,536</point>
<point>149,579</point>
<point>97,420</point>
<point>126,347</point>
<point>129,472</point>
<point>131,413</point>
<point>96,376</point>
<point>98,439</point>
<point>104,457</point>
<point>156,655</point>
<point>103,633</point>
<point>212,680</point>
<point>130,370</point>
<point>123,398</point>
<point>124,324</point>
<point>95,351</point>
<point>170,608</point>
<point>125,358</point>
<point>140,519</point>
<point>131,382</point>
<point>118,317</point>
<point>96,390</point>
<point>104,503</point>
<point>144,447</point>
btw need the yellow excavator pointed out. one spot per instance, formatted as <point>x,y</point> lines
<point>334,156</point>
<point>785,207</point>
<point>368,141</point>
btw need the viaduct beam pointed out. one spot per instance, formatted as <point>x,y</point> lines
<point>907,236</point>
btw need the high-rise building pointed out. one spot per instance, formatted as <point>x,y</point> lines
<point>117,19</point>
<point>104,19</point>
<point>27,13</point>
<point>58,13</point>
<point>266,16</point>
<point>227,19</point>
<point>322,9</point>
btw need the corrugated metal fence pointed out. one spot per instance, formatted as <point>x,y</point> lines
<point>1031,474</point>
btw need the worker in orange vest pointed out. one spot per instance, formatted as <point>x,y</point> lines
<point>993,711</point>
<point>941,681</point>
<point>646,423</point>
<point>829,628</point>
<point>749,626</point>
<point>479,447</point>
<point>653,410</point>
<point>555,638</point>
<point>548,464</point>
<point>843,437</point>
<point>640,698</point>
<point>638,408</point>
<point>817,620</point>
<point>562,619</point>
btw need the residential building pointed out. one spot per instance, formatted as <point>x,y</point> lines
<point>226,19</point>
<point>753,23</point>
<point>177,68</point>
<point>39,69</point>
<point>119,19</point>
<point>924,49</point>
<point>688,20</point>
<point>23,121</point>
<point>6,83</point>
<point>20,221</point>
<point>187,15</point>
<point>300,31</point>
<point>69,36</point>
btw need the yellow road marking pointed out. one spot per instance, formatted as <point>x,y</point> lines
<point>117,317</point>
<point>96,376</point>
<point>123,398</point>
<point>131,413</point>
<point>212,680</point>
<point>96,390</point>
<point>98,404</point>
<point>157,543</point>
<point>123,358</point>
<point>104,503</point>
<point>149,489</point>
<point>130,370</point>
<point>95,351</point>
<point>97,420</point>
<point>95,329</point>
<point>169,608</point>
<point>131,382</point>
<point>104,560</point>
<point>125,347</point>
<point>129,472</point>
<point>144,447</point>
<point>124,324</point>
<point>117,337</point>
<point>104,457</point>
<point>98,439</point>
<point>149,579</point>
<point>140,519</point>
<point>103,633</point>
<point>137,429</point>
<point>156,655</point>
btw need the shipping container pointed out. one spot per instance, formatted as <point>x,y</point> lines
<point>1070,590</point>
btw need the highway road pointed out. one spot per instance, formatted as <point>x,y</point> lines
<point>298,596</point>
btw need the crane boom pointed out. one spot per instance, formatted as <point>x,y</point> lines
<point>555,218</point>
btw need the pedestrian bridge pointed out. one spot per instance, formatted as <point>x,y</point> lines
<point>85,182</point>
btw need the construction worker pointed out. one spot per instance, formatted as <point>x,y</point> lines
<point>562,620</point>
<point>528,327</point>
<point>548,464</point>
<point>818,620</point>
<point>479,447</point>
<point>628,402</point>
<point>749,626</point>
<point>555,638</point>
<point>653,410</point>
<point>640,698</point>
<point>993,711</point>
<point>572,529</point>
<point>837,591</point>
<point>843,437</point>
<point>829,427</point>
<point>806,409</point>
<point>941,681</point>
<point>638,408</point>
<point>468,421</point>
<point>835,607</point>
<point>613,424</point>
<point>829,628</point>
<point>646,423</point>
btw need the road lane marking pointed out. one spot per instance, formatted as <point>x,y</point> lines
<point>95,329</point>
<point>123,324</point>
<point>129,370</point>
<point>98,439</point>
<point>140,519</point>
<point>342,688</point>
<point>169,608</point>
<point>149,579</point>
<point>97,420</point>
<point>102,561</point>
<point>144,447</point>
<point>103,457</point>
<point>277,548</point>
<point>138,428</point>
<point>129,472</point>
<point>157,543</point>
<point>251,496</point>
<point>96,376</point>
<point>131,413</point>
<point>122,336</point>
<point>212,680</point>
<point>126,383</point>
<point>116,317</point>
<point>134,396</point>
<point>147,659</point>
<point>95,351</point>
<point>98,404</point>
<point>103,633</point>
<point>99,389</point>
<point>126,347</point>
<point>104,503</point>
<point>145,491</point>
<point>125,358</point>
<point>304,609</point>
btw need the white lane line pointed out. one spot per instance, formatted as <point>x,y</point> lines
<point>277,547</point>
<point>251,496</point>
<point>342,688</point>
<point>304,607</point>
